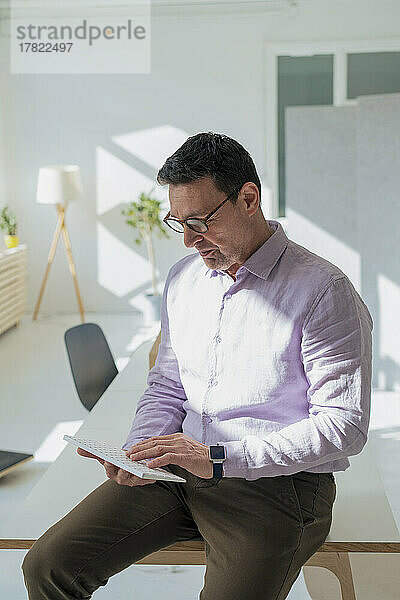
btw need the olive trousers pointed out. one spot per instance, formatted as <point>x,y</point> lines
<point>257,534</point>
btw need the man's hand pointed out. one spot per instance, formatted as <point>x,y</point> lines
<point>176,449</point>
<point>113,472</point>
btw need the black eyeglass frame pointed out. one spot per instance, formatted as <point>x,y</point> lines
<point>204,221</point>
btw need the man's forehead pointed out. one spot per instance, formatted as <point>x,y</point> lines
<point>192,199</point>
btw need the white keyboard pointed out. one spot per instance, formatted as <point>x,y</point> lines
<point>117,457</point>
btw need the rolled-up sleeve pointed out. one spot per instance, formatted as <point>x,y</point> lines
<point>336,350</point>
<point>159,410</point>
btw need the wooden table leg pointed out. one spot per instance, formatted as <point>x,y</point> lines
<point>339,564</point>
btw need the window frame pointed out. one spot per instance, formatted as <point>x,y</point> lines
<point>339,49</point>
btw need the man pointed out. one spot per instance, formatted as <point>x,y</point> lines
<point>265,357</point>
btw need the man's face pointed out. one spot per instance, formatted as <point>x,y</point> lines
<point>228,229</point>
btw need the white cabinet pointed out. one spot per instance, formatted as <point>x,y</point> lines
<point>13,266</point>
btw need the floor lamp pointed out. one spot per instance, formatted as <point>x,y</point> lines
<point>59,185</point>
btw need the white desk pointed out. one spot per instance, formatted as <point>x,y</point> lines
<point>71,477</point>
<point>362,518</point>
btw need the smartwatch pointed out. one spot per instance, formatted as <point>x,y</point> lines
<point>217,456</point>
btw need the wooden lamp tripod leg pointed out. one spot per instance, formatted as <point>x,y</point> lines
<point>72,268</point>
<point>50,259</point>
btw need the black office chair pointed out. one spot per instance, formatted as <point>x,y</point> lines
<point>92,364</point>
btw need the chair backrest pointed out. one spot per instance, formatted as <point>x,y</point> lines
<point>92,364</point>
<point>154,351</point>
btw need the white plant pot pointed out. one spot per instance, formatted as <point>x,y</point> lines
<point>152,309</point>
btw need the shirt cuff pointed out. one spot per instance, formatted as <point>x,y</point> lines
<point>235,464</point>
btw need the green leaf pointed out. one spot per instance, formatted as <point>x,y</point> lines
<point>8,221</point>
<point>144,214</point>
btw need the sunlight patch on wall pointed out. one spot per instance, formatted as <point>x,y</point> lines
<point>315,238</point>
<point>389,319</point>
<point>120,269</point>
<point>383,404</point>
<point>266,199</point>
<point>154,145</point>
<point>117,182</point>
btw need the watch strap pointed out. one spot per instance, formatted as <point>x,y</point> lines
<point>217,470</point>
<point>217,459</point>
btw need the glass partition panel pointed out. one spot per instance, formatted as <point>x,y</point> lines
<point>373,73</point>
<point>302,81</point>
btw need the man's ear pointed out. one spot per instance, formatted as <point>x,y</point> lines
<point>251,196</point>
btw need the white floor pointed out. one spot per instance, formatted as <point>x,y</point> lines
<point>38,401</point>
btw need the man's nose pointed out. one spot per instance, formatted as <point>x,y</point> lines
<point>190,237</point>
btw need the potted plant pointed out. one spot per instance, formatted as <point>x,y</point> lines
<point>144,215</point>
<point>8,222</point>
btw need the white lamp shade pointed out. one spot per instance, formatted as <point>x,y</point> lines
<point>59,184</point>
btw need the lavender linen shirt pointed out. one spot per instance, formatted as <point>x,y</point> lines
<point>276,365</point>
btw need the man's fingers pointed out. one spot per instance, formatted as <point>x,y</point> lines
<point>87,454</point>
<point>83,452</point>
<point>160,441</point>
<point>123,477</point>
<point>140,481</point>
<point>111,470</point>
<point>155,444</point>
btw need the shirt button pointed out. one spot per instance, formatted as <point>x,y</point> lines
<point>218,339</point>
<point>207,419</point>
<point>228,297</point>
<point>213,382</point>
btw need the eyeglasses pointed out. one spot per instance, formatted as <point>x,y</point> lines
<point>198,225</point>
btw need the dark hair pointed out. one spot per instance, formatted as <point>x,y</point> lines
<point>211,155</point>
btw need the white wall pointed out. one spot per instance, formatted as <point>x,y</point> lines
<point>208,73</point>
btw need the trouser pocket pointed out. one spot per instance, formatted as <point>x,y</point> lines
<point>305,488</point>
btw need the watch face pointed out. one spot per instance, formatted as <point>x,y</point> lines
<point>217,452</point>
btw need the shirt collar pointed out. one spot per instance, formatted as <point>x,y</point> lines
<point>263,260</point>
